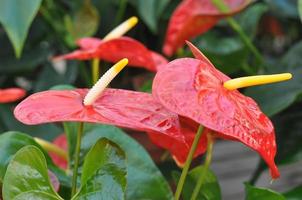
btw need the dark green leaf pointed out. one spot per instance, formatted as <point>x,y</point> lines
<point>104,172</point>
<point>11,142</point>
<point>144,180</point>
<point>28,62</point>
<point>254,193</point>
<point>294,194</point>
<point>210,190</point>
<point>284,8</point>
<point>27,175</point>
<point>16,17</point>
<point>150,11</point>
<point>273,98</point>
<point>84,23</point>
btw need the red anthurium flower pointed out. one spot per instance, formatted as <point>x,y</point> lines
<point>61,142</point>
<point>194,88</point>
<point>113,47</point>
<point>11,95</point>
<point>194,17</point>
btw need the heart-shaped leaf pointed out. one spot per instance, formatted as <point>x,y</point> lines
<point>12,141</point>
<point>253,193</point>
<point>17,25</point>
<point>210,190</point>
<point>144,180</point>
<point>104,172</point>
<point>27,177</point>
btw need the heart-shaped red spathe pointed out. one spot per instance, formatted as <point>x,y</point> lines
<point>194,88</point>
<point>11,94</point>
<point>129,109</point>
<point>194,17</point>
<point>114,50</point>
<point>61,142</point>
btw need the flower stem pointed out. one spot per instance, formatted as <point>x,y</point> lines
<point>76,159</point>
<point>188,163</point>
<point>95,70</point>
<point>207,163</point>
<point>221,6</point>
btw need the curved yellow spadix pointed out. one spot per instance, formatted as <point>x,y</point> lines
<point>236,83</point>
<point>104,81</point>
<point>121,29</point>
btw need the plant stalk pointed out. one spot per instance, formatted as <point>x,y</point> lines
<point>207,163</point>
<point>95,70</point>
<point>221,6</point>
<point>188,163</point>
<point>76,159</point>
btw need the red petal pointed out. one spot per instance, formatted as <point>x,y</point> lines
<point>194,17</point>
<point>194,89</point>
<point>61,142</point>
<point>116,49</point>
<point>88,43</point>
<point>180,149</point>
<point>11,95</point>
<point>135,110</point>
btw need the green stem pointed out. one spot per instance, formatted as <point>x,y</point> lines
<point>206,166</point>
<point>76,159</point>
<point>188,163</point>
<point>121,12</point>
<point>95,70</point>
<point>237,28</point>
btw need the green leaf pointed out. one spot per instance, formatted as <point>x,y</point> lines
<point>84,23</point>
<point>210,190</point>
<point>254,193</point>
<point>294,194</point>
<point>27,175</point>
<point>274,98</point>
<point>150,11</point>
<point>300,8</point>
<point>144,180</point>
<point>104,172</point>
<point>16,17</point>
<point>12,141</point>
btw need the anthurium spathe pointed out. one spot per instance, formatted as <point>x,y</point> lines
<point>11,94</point>
<point>113,47</point>
<point>194,17</point>
<point>194,88</point>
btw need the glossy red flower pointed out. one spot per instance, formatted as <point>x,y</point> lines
<point>129,109</point>
<point>194,88</point>
<point>61,142</point>
<point>116,49</point>
<point>194,17</point>
<point>11,95</point>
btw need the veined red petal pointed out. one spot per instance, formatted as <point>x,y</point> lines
<point>194,17</point>
<point>116,49</point>
<point>61,142</point>
<point>129,109</point>
<point>193,88</point>
<point>11,94</point>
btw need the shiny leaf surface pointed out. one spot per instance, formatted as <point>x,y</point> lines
<point>144,180</point>
<point>27,175</point>
<point>253,193</point>
<point>104,172</point>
